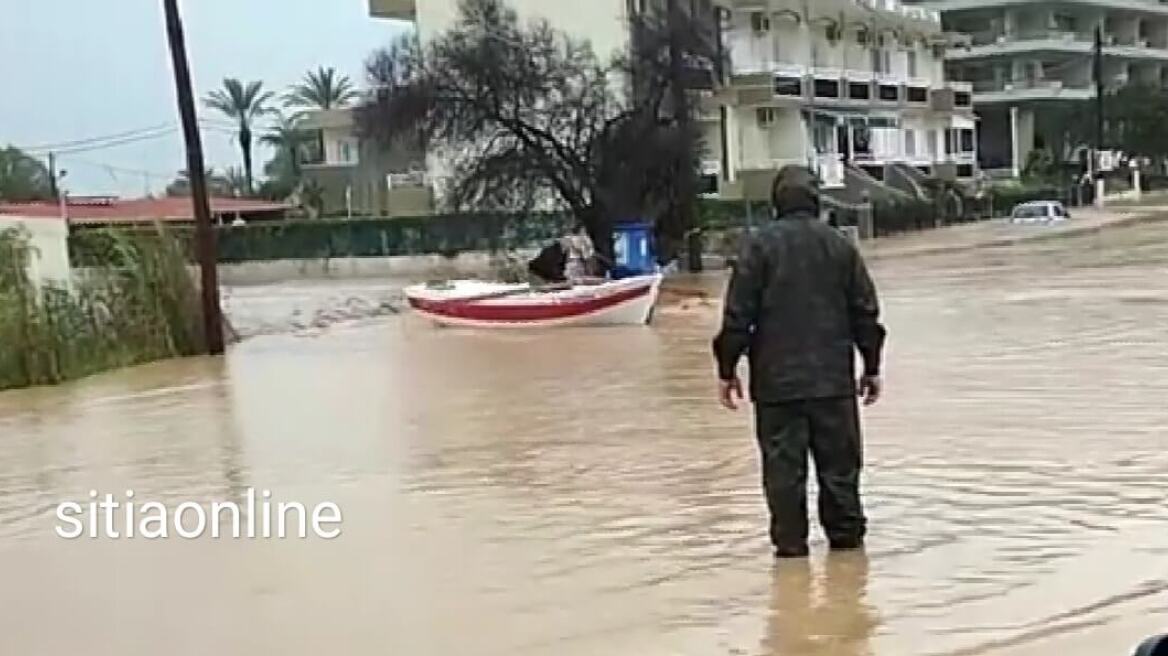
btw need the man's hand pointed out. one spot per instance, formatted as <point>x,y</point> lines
<point>729,391</point>
<point>870,389</point>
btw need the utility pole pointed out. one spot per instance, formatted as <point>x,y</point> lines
<point>687,184</point>
<point>1099,117</point>
<point>53,188</point>
<point>204,232</point>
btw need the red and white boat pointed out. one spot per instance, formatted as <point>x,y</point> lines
<point>479,304</point>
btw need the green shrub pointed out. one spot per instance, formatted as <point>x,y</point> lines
<point>139,305</point>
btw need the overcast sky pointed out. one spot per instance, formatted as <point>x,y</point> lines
<point>77,69</point>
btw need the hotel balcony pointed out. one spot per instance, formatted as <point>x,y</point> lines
<point>1140,6</point>
<point>984,45</point>
<point>849,10</point>
<point>990,91</point>
<point>395,9</point>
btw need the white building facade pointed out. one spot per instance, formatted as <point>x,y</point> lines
<point>1022,56</point>
<point>849,87</point>
<point>843,85</point>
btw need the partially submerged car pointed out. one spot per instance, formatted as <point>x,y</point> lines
<point>1039,211</point>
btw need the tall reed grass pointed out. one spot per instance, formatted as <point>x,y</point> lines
<point>137,305</point>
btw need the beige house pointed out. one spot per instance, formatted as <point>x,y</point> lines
<point>363,178</point>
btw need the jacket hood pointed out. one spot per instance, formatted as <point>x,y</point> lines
<point>795,191</point>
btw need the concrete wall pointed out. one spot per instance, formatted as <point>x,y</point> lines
<point>757,148</point>
<point>49,238</point>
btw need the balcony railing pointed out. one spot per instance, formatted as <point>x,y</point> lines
<point>397,9</point>
<point>991,90</point>
<point>1077,39</point>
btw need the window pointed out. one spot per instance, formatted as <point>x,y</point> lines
<point>918,95</point>
<point>910,142</point>
<point>912,63</point>
<point>967,139</point>
<point>766,117</point>
<point>346,152</point>
<point>963,99</point>
<point>881,61</point>
<point>889,93</point>
<point>827,89</point>
<point>760,22</point>
<point>859,91</point>
<point>788,86</point>
<point>932,143</point>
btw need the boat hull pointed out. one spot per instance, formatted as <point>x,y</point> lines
<point>484,305</point>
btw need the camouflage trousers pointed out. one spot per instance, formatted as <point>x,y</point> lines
<point>828,430</point>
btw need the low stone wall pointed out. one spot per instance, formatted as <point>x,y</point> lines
<point>405,267</point>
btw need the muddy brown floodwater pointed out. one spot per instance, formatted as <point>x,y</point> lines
<point>579,492</point>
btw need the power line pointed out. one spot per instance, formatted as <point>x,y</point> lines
<point>106,144</point>
<point>119,139</point>
<point>123,169</point>
<point>90,140</point>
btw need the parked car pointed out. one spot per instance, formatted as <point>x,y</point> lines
<point>1039,211</point>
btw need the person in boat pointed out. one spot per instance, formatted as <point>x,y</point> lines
<point>580,254</point>
<point>548,266</point>
<point>800,303</point>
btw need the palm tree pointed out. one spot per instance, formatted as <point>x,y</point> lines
<point>286,137</point>
<point>242,104</point>
<point>323,88</point>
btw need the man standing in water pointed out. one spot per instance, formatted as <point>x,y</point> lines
<point>800,302</point>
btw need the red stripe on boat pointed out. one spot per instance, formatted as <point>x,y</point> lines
<point>480,311</point>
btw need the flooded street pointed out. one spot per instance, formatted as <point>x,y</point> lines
<point>580,491</point>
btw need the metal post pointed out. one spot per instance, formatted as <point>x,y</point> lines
<point>1099,117</point>
<point>204,232</point>
<point>53,189</point>
<point>1015,152</point>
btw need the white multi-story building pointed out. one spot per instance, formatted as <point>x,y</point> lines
<point>1024,55</point>
<point>850,86</point>
<point>853,88</point>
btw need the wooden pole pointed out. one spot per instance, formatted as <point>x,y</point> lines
<point>204,232</point>
<point>687,183</point>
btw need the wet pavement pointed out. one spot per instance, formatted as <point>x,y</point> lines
<point>580,492</point>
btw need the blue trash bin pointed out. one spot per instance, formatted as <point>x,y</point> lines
<point>633,246</point>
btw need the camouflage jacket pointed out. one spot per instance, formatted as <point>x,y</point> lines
<point>800,303</point>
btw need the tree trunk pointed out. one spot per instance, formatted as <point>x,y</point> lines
<point>245,146</point>
<point>599,226</point>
